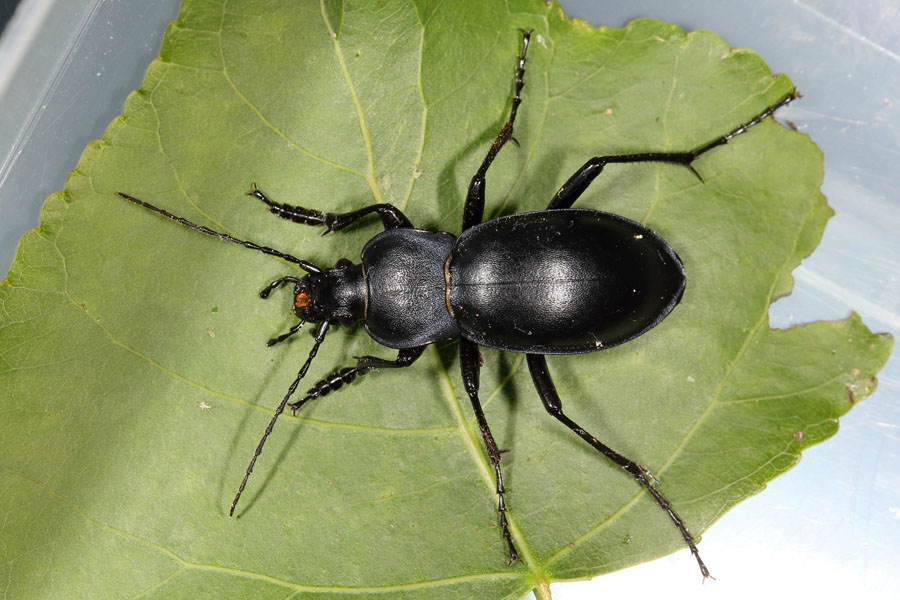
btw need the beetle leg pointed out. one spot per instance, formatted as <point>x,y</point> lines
<point>391,216</point>
<point>577,183</point>
<point>470,363</point>
<point>537,364</point>
<point>474,209</point>
<point>364,364</point>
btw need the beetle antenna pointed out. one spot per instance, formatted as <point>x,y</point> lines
<point>306,266</point>
<point>320,336</point>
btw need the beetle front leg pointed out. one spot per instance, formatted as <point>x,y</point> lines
<point>470,364</point>
<point>364,364</point>
<point>577,183</point>
<point>391,216</point>
<point>537,364</point>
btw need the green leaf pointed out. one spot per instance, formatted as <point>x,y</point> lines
<point>135,377</point>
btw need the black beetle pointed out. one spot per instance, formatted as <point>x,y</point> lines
<point>557,281</point>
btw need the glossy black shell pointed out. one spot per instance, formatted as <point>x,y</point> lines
<point>407,291</point>
<point>548,282</point>
<point>561,281</point>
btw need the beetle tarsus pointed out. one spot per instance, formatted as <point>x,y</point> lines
<point>347,375</point>
<point>513,552</point>
<point>473,210</point>
<point>295,406</point>
<point>390,215</point>
<point>333,382</point>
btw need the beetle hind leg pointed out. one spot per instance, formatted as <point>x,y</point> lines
<point>537,364</point>
<point>583,177</point>
<point>470,362</point>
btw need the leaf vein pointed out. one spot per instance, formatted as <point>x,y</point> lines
<point>420,151</point>
<point>243,98</point>
<point>785,395</point>
<point>466,433</point>
<point>360,113</point>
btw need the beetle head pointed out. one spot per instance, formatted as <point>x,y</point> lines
<point>337,294</point>
<point>303,306</point>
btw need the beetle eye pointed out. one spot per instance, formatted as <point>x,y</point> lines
<point>343,263</point>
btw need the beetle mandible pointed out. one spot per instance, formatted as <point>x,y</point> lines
<point>558,281</point>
